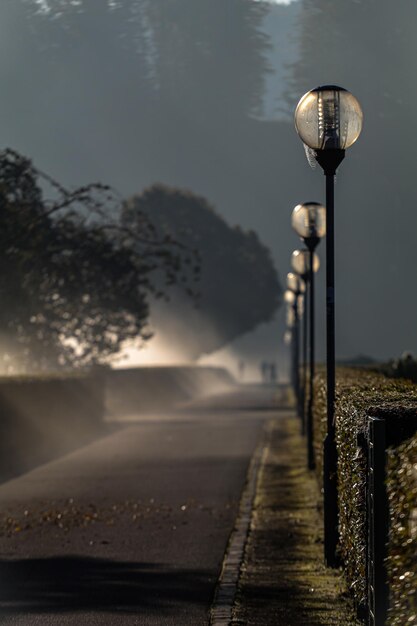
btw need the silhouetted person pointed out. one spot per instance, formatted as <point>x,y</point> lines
<point>264,371</point>
<point>241,368</point>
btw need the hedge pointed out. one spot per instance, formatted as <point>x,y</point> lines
<point>358,394</point>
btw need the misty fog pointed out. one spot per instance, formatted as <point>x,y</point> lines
<point>200,94</point>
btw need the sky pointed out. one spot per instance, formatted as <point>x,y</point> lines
<point>66,106</point>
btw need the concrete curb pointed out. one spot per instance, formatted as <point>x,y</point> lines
<point>224,599</point>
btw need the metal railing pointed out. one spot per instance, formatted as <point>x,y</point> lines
<point>385,429</point>
<point>377,523</point>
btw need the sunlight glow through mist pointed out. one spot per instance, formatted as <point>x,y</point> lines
<point>157,351</point>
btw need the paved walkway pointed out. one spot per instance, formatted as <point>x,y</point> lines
<point>133,528</point>
<point>283,580</point>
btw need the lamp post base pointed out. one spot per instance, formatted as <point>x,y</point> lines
<point>331,521</point>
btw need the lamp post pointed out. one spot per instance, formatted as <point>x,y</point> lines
<point>300,264</point>
<point>287,339</point>
<point>293,322</point>
<point>302,313</point>
<point>296,285</point>
<point>329,120</point>
<point>309,222</point>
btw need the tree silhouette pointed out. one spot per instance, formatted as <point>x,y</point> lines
<point>239,288</point>
<point>74,285</point>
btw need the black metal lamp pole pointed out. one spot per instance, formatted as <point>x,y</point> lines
<point>308,221</point>
<point>292,355</point>
<point>311,243</point>
<point>329,160</point>
<point>294,359</point>
<point>329,119</point>
<point>305,340</point>
<point>296,289</point>
<point>291,298</point>
<point>296,350</point>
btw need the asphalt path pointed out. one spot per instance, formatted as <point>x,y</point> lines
<point>131,529</point>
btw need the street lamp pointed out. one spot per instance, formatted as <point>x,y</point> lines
<point>292,326</point>
<point>309,222</point>
<point>295,283</point>
<point>300,262</point>
<point>301,265</point>
<point>329,120</point>
<point>295,289</point>
<point>288,343</point>
<point>287,337</point>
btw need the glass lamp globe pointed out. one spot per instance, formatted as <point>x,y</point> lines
<point>289,297</point>
<point>300,262</point>
<point>328,117</point>
<point>295,283</point>
<point>309,220</point>
<point>290,317</point>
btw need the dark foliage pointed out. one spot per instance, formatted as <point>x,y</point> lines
<point>73,287</point>
<point>404,367</point>
<point>239,286</point>
<point>358,393</point>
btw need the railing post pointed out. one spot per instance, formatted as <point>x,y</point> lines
<point>377,523</point>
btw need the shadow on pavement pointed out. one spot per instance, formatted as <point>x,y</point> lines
<point>63,584</point>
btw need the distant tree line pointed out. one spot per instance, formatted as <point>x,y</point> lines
<point>403,367</point>
<point>197,58</point>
